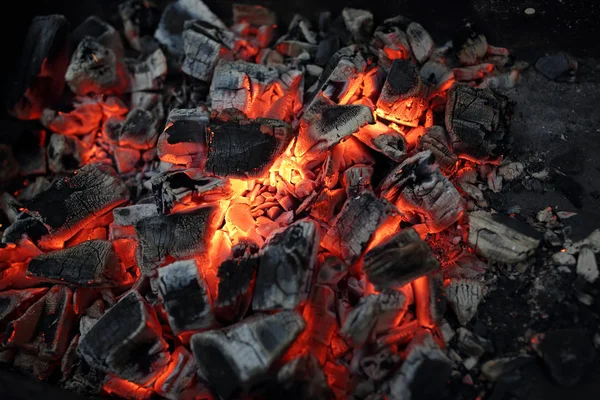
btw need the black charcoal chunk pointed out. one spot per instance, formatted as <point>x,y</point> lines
<point>302,378</point>
<point>65,153</point>
<point>559,67</point>
<point>435,140</point>
<point>138,131</point>
<point>13,303</point>
<point>183,140</point>
<point>140,19</point>
<point>287,264</point>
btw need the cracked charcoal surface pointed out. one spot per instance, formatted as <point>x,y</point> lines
<point>138,130</point>
<point>201,55</point>
<point>235,287</point>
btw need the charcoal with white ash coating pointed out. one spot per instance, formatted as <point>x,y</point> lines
<point>464,296</point>
<point>187,187</point>
<point>175,384</point>
<point>286,267</point>
<point>359,23</point>
<point>478,122</point>
<point>374,314</point>
<point>357,179</point>
<point>389,42</point>
<point>126,341</point>
<point>92,263</point>
<point>101,31</point>
<point>181,235</point>
<point>146,78</point>
<point>65,153</point>
<point>501,238</point>
<point>236,283</point>
<point>398,260</point>
<point>76,200</point>
<point>129,215</point>
<point>435,140</point>
<point>39,79</point>
<point>244,148</point>
<point>420,190</point>
<point>379,365</point>
<point>140,19</point>
<point>383,140</point>
<point>138,130</point>
<point>234,358</point>
<point>302,378</point>
<point>13,303</point>
<point>183,139</point>
<point>185,297</point>
<point>404,96</point>
<point>353,227</point>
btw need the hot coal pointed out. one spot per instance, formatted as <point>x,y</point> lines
<point>302,378</point>
<point>435,140</point>
<point>138,130</point>
<point>13,303</point>
<point>183,140</point>
<point>65,153</point>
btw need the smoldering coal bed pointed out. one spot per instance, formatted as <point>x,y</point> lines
<point>229,209</point>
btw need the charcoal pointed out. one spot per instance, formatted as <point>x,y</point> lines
<point>319,314</point>
<point>140,19</point>
<point>379,365</point>
<point>587,267</point>
<point>236,277</point>
<point>473,49</point>
<point>253,14</point>
<point>40,77</point>
<point>430,298</point>
<point>180,235</point>
<point>126,341</point>
<point>92,263</point>
<point>420,41</point>
<point>354,226</point>
<point>245,148</point>
<point>324,124</point>
<point>331,270</point>
<point>399,335</point>
<point>359,23</point>
<point>326,48</point>
<point>95,69</point>
<point>478,121</point>
<point>436,141</point>
<point>183,140</point>
<point>13,303</point>
<point>403,98</point>
<point>357,179</point>
<point>9,167</point>
<point>10,207</point>
<point>472,347</point>
<point>438,74</point>
<point>100,30</point>
<point>74,201</point>
<point>179,377</point>
<point>557,67</point>
<point>234,358</point>
<point>501,238</point>
<point>147,74</point>
<point>203,45</point>
<point>126,159</point>
<point>138,131</point>
<point>473,73</point>
<point>398,260</point>
<point>424,373</point>
<point>65,153</point>
<point>374,313</point>
<point>389,43</point>
<point>185,296</point>
<point>30,153</point>
<point>464,296</point>
<point>85,118</point>
<point>383,140</point>
<point>303,378</point>
<point>187,187</point>
<point>35,187</point>
<point>44,328</point>
<point>418,188</point>
<point>286,267</point>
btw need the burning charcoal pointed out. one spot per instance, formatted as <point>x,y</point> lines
<point>39,80</point>
<point>303,378</point>
<point>359,23</point>
<point>418,187</point>
<point>126,159</point>
<point>557,67</point>
<point>253,14</point>
<point>379,365</point>
<point>398,260</point>
<point>76,266</point>
<point>473,49</point>
<point>138,131</point>
<point>174,16</point>
<point>95,68</point>
<point>234,358</point>
<point>100,30</point>
<point>420,41</point>
<point>9,167</point>
<point>13,303</point>
<point>478,122</point>
<point>65,153</point>
<point>424,373</point>
<point>473,73</point>
<point>287,264</point>
<point>389,43</point>
<point>430,299</point>
<point>126,341</point>
<point>437,74</point>
<point>183,140</point>
<point>321,320</point>
<point>44,328</point>
<point>10,207</point>
<point>354,226</point>
<point>74,201</point>
<point>181,374</point>
<point>236,277</point>
<point>384,140</point>
<point>374,313</point>
<point>185,297</point>
<point>464,296</point>
<point>180,235</point>
<point>187,187</point>
<point>245,148</point>
<point>436,141</point>
<point>331,270</point>
<point>501,238</point>
<point>140,18</point>
<point>357,179</point>
<point>403,97</point>
<point>203,45</point>
<point>324,124</point>
<point>83,119</point>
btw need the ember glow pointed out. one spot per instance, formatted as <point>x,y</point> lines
<point>193,242</point>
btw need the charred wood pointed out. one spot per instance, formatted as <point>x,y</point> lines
<point>65,153</point>
<point>383,140</point>
<point>357,179</point>
<point>303,378</point>
<point>183,140</point>
<point>436,141</point>
<point>101,31</point>
<point>140,19</point>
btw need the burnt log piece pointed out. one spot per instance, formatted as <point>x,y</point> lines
<point>74,201</point>
<point>187,188</point>
<point>353,227</point>
<point>95,69</point>
<point>302,378</point>
<point>93,263</point>
<point>436,141</point>
<point>126,341</point>
<point>374,314</point>
<point>85,118</point>
<point>181,375</point>
<point>359,23</point>
<point>383,140</point>
<point>324,124</point>
<point>501,238</point>
<point>419,189</point>
<point>464,296</point>
<point>185,296</point>
<point>236,277</point>
<point>357,179</point>
<point>140,19</point>
<point>138,131</point>
<point>181,235</point>
<point>40,77</point>
<point>101,31</point>
<point>403,98</point>
<point>183,140</point>
<point>245,148</point>
<point>65,153</point>
<point>146,78</point>
<point>420,41</point>
<point>286,267</point>
<point>129,215</point>
<point>398,260</point>
<point>44,329</point>
<point>9,167</point>
<point>13,303</point>
<point>234,358</point>
<point>478,122</point>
